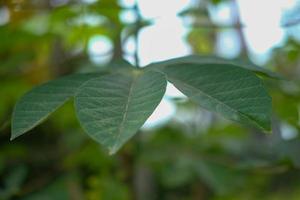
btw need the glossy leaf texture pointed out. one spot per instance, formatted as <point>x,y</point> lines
<point>113,107</point>
<point>36,105</point>
<point>235,93</point>
<point>196,59</point>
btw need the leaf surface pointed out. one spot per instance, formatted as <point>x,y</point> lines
<point>113,107</point>
<point>235,93</point>
<point>36,105</point>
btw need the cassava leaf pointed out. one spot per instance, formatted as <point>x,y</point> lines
<point>113,107</point>
<point>36,105</point>
<point>236,93</point>
<point>196,59</point>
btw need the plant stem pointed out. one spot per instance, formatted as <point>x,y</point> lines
<point>136,34</point>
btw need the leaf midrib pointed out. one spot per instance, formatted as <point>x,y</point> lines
<point>121,127</point>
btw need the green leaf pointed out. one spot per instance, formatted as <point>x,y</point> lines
<point>236,93</point>
<point>36,105</point>
<point>196,59</point>
<point>113,107</point>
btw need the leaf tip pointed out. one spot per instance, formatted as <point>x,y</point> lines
<point>267,126</point>
<point>267,130</point>
<point>15,132</point>
<point>12,137</point>
<point>113,149</point>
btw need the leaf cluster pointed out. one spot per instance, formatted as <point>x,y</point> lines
<point>111,106</point>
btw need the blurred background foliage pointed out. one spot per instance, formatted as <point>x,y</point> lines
<point>193,155</point>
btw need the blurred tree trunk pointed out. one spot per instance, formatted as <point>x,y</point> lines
<point>235,15</point>
<point>143,183</point>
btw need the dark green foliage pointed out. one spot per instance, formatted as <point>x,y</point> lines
<point>195,154</point>
<point>111,108</point>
